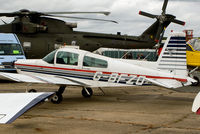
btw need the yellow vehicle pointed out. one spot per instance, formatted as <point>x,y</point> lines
<point>193,53</point>
<point>193,57</point>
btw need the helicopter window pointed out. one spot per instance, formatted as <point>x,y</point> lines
<point>94,62</point>
<point>67,58</point>
<point>50,57</point>
<point>10,49</point>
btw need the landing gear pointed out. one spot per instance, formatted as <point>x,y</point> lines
<point>194,74</point>
<point>87,92</point>
<point>32,91</point>
<point>57,97</point>
<point>196,83</point>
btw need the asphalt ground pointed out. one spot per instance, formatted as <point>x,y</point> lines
<point>127,110</point>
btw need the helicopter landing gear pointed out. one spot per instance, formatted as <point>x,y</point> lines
<point>87,92</point>
<point>57,97</point>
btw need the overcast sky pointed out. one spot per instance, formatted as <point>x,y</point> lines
<point>125,12</point>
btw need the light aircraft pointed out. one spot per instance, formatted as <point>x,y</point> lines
<point>74,67</point>
<point>193,58</point>
<point>193,52</point>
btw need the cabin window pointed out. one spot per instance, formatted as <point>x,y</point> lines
<point>67,58</point>
<point>94,62</point>
<point>50,57</point>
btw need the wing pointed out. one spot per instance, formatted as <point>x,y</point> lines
<point>14,105</point>
<point>38,79</point>
<point>196,104</point>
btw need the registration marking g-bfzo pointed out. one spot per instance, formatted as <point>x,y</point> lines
<point>129,79</point>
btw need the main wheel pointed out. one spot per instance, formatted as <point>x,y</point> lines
<point>57,98</point>
<point>195,83</point>
<point>87,92</point>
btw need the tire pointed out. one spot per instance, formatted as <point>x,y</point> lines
<point>88,93</point>
<point>32,91</point>
<point>196,83</point>
<point>57,98</point>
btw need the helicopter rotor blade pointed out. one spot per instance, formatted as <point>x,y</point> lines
<point>23,12</point>
<point>101,12</point>
<point>82,18</point>
<point>164,6</point>
<point>147,14</point>
<point>8,14</point>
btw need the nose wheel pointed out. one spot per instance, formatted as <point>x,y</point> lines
<point>87,92</point>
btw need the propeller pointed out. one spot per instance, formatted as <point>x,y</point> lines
<point>25,12</point>
<point>163,19</point>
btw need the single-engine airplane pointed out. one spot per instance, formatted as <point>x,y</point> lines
<point>193,58</point>
<point>67,66</point>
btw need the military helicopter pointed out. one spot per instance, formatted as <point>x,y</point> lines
<point>40,33</point>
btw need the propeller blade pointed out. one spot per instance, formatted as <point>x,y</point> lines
<point>147,14</point>
<point>83,18</point>
<point>101,12</point>
<point>178,22</point>
<point>164,6</point>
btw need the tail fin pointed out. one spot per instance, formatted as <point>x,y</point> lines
<point>152,32</point>
<point>173,56</point>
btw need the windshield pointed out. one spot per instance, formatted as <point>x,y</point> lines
<point>50,57</point>
<point>10,49</point>
<point>195,43</point>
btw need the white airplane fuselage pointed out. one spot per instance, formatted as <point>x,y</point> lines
<point>114,73</point>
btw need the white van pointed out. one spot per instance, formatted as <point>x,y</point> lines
<point>10,51</point>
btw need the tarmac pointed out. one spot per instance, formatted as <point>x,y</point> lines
<point>127,110</point>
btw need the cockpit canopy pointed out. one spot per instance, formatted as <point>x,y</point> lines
<point>72,58</point>
<point>195,43</point>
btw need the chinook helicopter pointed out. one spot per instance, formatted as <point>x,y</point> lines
<point>41,34</point>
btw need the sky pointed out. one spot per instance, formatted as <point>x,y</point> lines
<point>125,12</point>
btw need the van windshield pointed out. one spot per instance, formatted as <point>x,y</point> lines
<point>10,49</point>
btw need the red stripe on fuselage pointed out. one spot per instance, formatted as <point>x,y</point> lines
<point>91,71</point>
